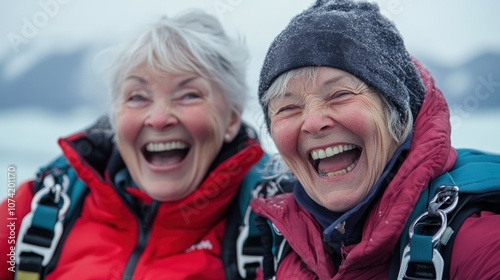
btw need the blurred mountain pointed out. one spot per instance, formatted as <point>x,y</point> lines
<point>56,83</point>
<point>473,85</point>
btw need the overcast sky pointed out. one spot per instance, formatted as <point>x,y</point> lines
<point>449,31</point>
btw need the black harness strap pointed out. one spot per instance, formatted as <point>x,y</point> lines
<point>455,225</point>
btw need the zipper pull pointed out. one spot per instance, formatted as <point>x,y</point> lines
<point>341,228</point>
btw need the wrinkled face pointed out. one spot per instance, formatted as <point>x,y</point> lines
<point>169,129</point>
<point>333,135</point>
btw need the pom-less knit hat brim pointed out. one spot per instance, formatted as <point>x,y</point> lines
<point>351,36</point>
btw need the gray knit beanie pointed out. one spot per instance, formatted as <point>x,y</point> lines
<point>351,36</point>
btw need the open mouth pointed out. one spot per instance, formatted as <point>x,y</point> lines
<point>336,160</point>
<point>166,153</point>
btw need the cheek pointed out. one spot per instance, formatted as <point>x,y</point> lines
<point>127,125</point>
<point>203,125</point>
<point>366,120</point>
<point>360,124</point>
<point>284,137</point>
<point>370,125</point>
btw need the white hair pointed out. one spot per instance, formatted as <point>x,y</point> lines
<point>191,42</point>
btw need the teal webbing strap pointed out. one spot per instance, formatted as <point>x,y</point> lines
<point>45,217</point>
<point>474,172</point>
<point>42,228</point>
<point>253,177</point>
<point>477,176</point>
<point>421,248</point>
<point>76,192</point>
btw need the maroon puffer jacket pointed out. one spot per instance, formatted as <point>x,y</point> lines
<point>476,247</point>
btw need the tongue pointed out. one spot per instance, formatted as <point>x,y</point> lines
<point>165,158</point>
<point>337,162</point>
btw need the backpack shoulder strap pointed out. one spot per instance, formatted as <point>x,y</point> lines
<point>274,247</point>
<point>237,261</point>
<point>59,196</point>
<point>476,179</point>
<point>477,192</point>
<point>242,252</point>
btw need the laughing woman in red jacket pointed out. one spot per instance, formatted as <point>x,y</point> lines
<point>162,172</point>
<point>364,129</point>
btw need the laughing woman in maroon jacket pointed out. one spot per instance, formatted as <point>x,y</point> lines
<point>364,129</point>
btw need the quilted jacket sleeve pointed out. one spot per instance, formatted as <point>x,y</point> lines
<point>476,248</point>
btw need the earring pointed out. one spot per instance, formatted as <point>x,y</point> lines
<point>227,137</point>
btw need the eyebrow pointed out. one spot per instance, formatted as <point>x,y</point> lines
<point>188,80</point>
<point>145,82</point>
<point>139,79</point>
<point>334,80</point>
<point>324,85</point>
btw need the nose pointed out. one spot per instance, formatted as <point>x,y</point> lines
<point>317,122</point>
<point>161,117</point>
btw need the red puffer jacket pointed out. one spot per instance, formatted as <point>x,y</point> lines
<point>476,247</point>
<point>109,241</point>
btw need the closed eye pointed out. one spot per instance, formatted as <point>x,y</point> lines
<point>137,98</point>
<point>191,95</point>
<point>286,109</point>
<point>340,94</point>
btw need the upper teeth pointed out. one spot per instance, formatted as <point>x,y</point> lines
<point>331,151</point>
<point>161,147</point>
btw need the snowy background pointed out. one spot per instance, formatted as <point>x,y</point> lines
<point>49,86</point>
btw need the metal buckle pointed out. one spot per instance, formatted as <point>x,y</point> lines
<point>446,195</point>
<point>442,197</point>
<point>437,259</point>
<point>46,253</point>
<point>437,236</point>
<point>437,262</point>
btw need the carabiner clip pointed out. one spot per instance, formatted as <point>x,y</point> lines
<point>437,259</point>
<point>445,195</point>
<point>437,262</point>
<point>45,252</point>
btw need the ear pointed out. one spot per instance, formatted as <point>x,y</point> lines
<point>233,126</point>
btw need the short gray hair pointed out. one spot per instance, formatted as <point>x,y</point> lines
<point>398,128</point>
<point>194,42</point>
